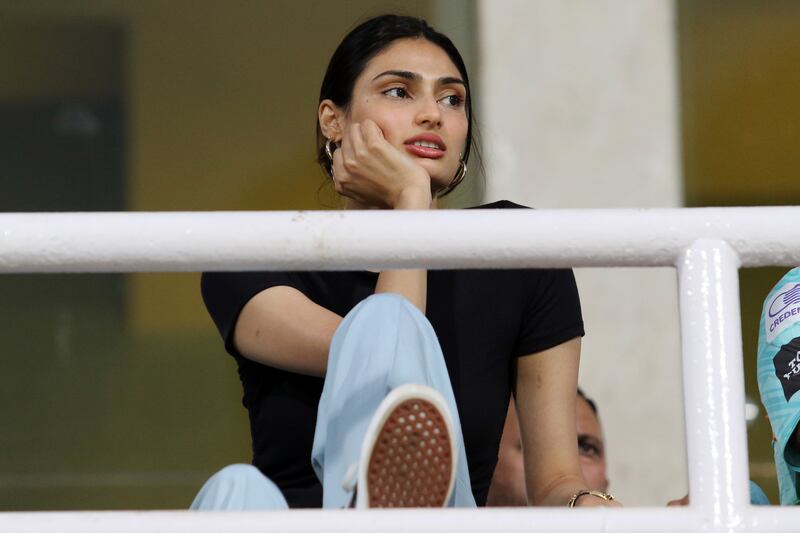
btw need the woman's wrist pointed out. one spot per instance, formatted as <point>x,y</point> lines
<point>416,197</point>
<point>586,493</point>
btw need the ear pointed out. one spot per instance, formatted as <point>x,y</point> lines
<point>331,120</point>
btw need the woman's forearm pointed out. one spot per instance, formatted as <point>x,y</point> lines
<point>546,385</point>
<point>413,283</point>
<point>558,492</point>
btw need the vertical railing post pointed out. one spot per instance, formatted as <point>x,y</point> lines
<point>713,383</point>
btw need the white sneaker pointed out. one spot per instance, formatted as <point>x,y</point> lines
<point>408,457</point>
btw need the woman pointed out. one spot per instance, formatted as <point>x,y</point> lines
<point>317,352</point>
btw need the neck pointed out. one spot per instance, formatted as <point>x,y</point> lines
<point>349,203</point>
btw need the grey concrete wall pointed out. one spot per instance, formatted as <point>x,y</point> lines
<point>579,110</point>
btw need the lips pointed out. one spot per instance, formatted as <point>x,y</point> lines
<point>427,145</point>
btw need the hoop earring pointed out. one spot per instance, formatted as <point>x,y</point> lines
<point>329,153</point>
<point>458,178</point>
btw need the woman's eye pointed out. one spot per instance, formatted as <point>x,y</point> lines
<point>588,449</point>
<point>396,92</point>
<point>452,100</point>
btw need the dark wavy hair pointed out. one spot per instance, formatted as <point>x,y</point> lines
<point>365,42</point>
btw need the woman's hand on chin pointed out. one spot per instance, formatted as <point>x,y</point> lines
<point>374,173</point>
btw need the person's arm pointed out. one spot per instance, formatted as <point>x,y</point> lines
<point>411,283</point>
<point>283,328</point>
<point>507,488</point>
<point>679,503</point>
<point>372,173</point>
<point>545,396</point>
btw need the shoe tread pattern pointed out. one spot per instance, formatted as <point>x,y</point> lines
<point>411,463</point>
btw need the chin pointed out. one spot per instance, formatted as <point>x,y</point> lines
<point>439,179</point>
<point>437,184</point>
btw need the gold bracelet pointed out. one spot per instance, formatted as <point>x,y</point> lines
<point>605,495</point>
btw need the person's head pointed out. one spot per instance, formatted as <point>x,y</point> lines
<point>410,80</point>
<point>508,484</point>
<point>591,445</point>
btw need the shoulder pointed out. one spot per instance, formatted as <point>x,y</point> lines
<point>500,204</point>
<point>215,284</point>
<point>226,293</point>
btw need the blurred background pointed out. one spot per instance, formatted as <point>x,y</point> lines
<point>115,390</point>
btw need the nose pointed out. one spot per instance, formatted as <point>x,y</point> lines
<point>429,114</point>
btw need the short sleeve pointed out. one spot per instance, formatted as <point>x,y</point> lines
<point>552,314</point>
<point>226,293</point>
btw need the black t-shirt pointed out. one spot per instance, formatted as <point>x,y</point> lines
<point>482,318</point>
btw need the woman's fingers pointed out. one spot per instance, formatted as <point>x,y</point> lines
<point>369,169</point>
<point>365,141</point>
<point>372,133</point>
<point>358,134</point>
<point>342,175</point>
<point>358,157</point>
<point>346,146</point>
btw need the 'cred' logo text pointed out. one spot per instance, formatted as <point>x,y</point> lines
<point>784,309</point>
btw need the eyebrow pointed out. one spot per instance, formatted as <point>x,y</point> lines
<point>413,76</point>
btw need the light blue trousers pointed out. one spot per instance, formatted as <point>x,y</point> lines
<point>382,343</point>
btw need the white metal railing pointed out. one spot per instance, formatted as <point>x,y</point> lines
<point>707,246</point>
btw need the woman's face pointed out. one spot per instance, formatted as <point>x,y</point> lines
<point>416,96</point>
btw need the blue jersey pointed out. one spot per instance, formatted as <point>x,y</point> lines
<point>779,377</point>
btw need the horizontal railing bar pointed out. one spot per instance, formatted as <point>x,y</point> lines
<point>539,520</point>
<point>337,240</point>
<point>773,519</point>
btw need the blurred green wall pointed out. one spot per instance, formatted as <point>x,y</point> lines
<point>134,408</point>
<point>135,413</point>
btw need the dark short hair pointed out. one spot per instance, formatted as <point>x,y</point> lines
<point>365,42</point>
<point>590,402</point>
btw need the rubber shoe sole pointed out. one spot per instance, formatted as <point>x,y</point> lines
<point>408,456</point>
